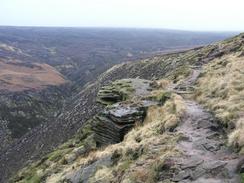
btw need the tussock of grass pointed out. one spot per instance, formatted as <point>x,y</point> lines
<point>163,83</point>
<point>221,89</point>
<point>160,96</point>
<point>167,115</point>
<point>180,73</point>
<point>32,177</point>
<point>236,138</point>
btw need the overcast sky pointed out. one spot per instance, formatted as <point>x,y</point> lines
<point>216,15</point>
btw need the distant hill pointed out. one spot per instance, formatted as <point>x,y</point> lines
<point>18,76</point>
<point>81,54</point>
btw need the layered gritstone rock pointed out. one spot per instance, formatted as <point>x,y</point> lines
<point>111,125</point>
<point>122,111</point>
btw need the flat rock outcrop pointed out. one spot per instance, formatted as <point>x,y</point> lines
<point>124,89</point>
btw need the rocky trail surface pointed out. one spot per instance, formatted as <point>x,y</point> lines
<point>205,156</point>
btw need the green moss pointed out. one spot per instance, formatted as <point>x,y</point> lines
<point>154,171</point>
<point>84,137</point>
<point>163,96</point>
<point>119,90</point>
<point>28,177</point>
<point>34,179</point>
<point>179,73</point>
<point>58,154</point>
<point>84,132</point>
<point>133,154</point>
<point>242,177</point>
<point>125,165</point>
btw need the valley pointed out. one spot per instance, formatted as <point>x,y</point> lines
<point>44,68</point>
<point>138,121</point>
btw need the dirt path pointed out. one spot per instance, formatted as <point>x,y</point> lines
<point>206,158</point>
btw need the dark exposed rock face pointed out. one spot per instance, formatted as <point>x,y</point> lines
<point>111,125</point>
<point>84,173</point>
<point>109,96</point>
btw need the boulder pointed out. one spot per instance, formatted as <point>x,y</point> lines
<point>84,173</point>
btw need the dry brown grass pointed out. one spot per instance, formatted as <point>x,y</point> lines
<point>221,89</point>
<point>236,138</point>
<point>152,134</point>
<point>147,144</point>
<point>137,148</point>
<point>163,83</point>
<point>168,114</point>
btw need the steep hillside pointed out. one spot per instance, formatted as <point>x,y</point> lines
<point>158,144</point>
<point>43,68</point>
<point>30,94</point>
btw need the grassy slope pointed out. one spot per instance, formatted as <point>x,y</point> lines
<point>137,147</point>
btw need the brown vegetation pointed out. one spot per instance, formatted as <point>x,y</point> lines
<point>17,76</point>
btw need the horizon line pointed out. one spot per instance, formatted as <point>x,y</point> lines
<point>123,27</point>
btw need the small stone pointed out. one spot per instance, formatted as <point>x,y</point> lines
<point>79,150</point>
<point>214,165</point>
<point>70,158</point>
<point>192,163</point>
<point>198,172</point>
<point>242,169</point>
<point>185,174</point>
<point>212,146</point>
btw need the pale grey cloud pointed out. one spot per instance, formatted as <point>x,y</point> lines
<point>219,15</point>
